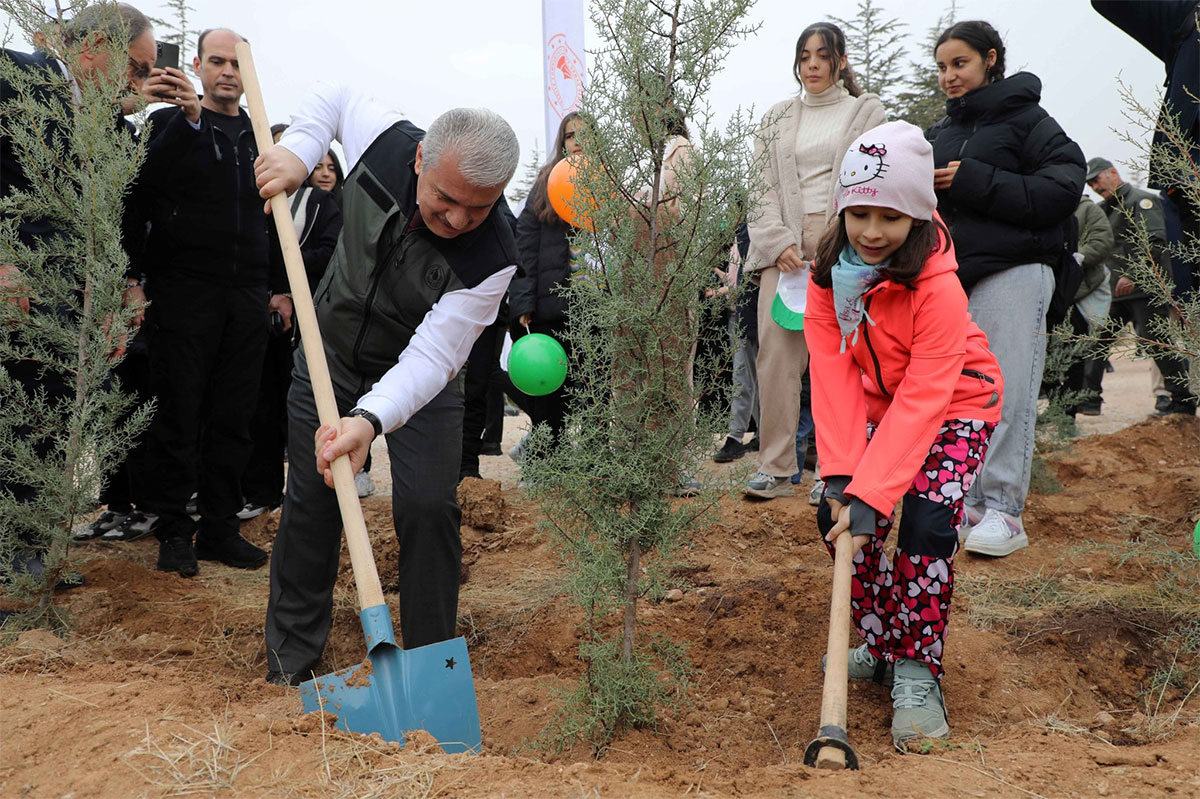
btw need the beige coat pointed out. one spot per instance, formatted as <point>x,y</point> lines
<point>779,216</point>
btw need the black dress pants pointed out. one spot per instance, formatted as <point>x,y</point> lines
<point>424,455</point>
<point>206,359</point>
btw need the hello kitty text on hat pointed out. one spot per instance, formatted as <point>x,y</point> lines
<point>889,166</point>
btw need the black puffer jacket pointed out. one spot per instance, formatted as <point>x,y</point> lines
<point>545,254</point>
<point>1020,177</point>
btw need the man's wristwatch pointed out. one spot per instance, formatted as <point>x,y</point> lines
<point>370,417</point>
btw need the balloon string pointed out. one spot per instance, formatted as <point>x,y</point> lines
<point>527,330</point>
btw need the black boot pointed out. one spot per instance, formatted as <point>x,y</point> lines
<point>730,451</point>
<point>175,553</point>
<point>232,550</point>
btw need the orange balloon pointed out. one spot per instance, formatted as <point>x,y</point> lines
<point>560,187</point>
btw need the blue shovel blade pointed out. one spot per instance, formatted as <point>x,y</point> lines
<point>396,691</point>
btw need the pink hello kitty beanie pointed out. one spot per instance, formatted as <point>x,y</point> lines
<point>889,166</point>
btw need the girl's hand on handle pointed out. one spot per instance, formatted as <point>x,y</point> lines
<point>842,514</point>
<point>355,440</point>
<point>942,178</point>
<point>789,260</point>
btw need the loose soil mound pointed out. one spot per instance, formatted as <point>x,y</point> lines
<point>1062,679</point>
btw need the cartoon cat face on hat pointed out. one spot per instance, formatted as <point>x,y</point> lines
<point>863,165</point>
<point>890,166</point>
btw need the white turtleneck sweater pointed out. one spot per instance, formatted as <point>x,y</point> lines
<point>823,124</point>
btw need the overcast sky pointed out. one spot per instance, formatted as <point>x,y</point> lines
<point>424,58</point>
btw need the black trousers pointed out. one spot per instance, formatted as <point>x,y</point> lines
<point>206,359</point>
<point>262,481</point>
<point>483,381</point>
<point>133,372</point>
<point>424,456</point>
<point>1139,312</point>
<point>30,379</point>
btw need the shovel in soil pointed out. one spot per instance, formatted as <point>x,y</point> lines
<point>831,748</point>
<point>392,691</point>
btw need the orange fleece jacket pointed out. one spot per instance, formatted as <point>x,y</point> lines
<point>922,363</point>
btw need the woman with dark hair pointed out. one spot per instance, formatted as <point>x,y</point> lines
<point>1008,180</point>
<point>549,261</point>
<point>804,138</point>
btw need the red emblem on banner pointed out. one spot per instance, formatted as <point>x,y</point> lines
<point>564,89</point>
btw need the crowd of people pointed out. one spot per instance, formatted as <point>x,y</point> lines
<point>930,261</point>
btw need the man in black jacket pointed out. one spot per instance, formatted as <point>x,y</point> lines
<point>209,265</point>
<point>103,21</point>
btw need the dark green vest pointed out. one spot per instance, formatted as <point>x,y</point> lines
<point>384,278</point>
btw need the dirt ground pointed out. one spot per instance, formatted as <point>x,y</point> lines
<point>1071,665</point>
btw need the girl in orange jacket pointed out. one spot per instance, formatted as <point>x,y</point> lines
<point>905,396</point>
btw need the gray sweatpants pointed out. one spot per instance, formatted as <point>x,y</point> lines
<point>424,455</point>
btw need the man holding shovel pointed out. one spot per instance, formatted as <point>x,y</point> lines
<point>424,259</point>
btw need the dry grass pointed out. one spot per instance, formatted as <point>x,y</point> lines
<point>192,762</point>
<point>498,614</point>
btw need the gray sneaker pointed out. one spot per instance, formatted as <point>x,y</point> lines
<point>363,484</point>
<point>688,485</point>
<point>862,665</point>
<point>816,492</point>
<point>765,486</point>
<point>918,709</point>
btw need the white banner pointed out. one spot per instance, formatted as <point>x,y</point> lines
<point>563,65</point>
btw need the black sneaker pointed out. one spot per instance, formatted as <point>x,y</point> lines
<point>252,509</point>
<point>1162,402</point>
<point>107,521</point>
<point>175,554</point>
<point>1090,408</point>
<point>232,550</point>
<point>730,451</point>
<point>1185,408</point>
<point>134,526</point>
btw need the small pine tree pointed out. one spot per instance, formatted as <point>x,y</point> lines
<point>922,102</point>
<point>60,443</point>
<point>646,255</point>
<point>875,47</point>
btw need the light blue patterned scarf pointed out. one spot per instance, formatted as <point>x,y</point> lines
<point>851,278</point>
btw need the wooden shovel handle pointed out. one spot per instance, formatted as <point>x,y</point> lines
<point>833,696</point>
<point>366,577</point>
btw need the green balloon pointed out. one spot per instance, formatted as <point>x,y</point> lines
<point>537,364</point>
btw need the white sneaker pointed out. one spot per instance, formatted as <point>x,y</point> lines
<point>363,484</point>
<point>997,534</point>
<point>814,494</point>
<point>971,517</point>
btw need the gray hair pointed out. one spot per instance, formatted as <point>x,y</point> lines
<point>483,143</point>
<point>109,19</point>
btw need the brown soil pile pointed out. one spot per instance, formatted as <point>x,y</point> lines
<point>159,689</point>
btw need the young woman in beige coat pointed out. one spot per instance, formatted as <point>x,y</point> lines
<point>804,138</point>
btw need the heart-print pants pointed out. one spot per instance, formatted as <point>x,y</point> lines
<point>901,608</point>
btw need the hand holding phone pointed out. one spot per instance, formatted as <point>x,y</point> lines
<point>170,85</point>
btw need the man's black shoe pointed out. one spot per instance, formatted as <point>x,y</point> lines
<point>232,550</point>
<point>279,678</point>
<point>730,451</point>
<point>1172,407</point>
<point>175,554</point>
<point>1089,408</point>
<point>1162,403</point>
<point>490,448</point>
